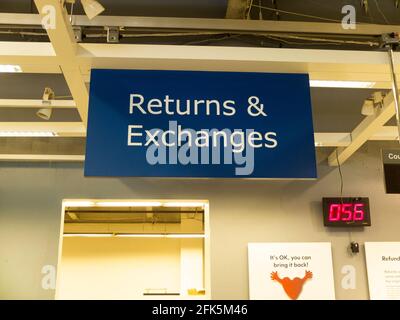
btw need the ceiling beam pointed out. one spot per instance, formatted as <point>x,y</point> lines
<point>332,139</point>
<point>386,133</point>
<point>62,129</point>
<point>76,129</point>
<point>32,57</point>
<point>37,103</point>
<point>364,131</point>
<point>340,65</point>
<point>322,140</point>
<point>65,47</point>
<point>42,157</point>
<point>203,24</point>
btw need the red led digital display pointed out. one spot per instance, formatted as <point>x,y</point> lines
<point>345,212</point>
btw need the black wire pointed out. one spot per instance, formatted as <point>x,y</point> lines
<point>341,176</point>
<point>341,189</point>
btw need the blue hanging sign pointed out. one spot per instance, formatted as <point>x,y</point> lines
<point>199,124</point>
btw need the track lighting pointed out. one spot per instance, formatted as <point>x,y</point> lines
<point>45,113</point>
<point>92,8</point>
<point>370,105</point>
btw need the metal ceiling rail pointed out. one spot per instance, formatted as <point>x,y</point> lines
<point>202,24</point>
<point>37,103</point>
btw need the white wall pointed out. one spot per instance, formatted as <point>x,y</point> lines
<point>125,268</point>
<point>118,268</point>
<point>241,211</point>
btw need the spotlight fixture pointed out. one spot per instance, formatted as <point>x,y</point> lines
<point>92,8</point>
<point>45,113</point>
<point>368,108</point>
<point>370,105</point>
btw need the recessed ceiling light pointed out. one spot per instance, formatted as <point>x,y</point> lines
<point>27,134</point>
<point>10,68</point>
<point>341,84</point>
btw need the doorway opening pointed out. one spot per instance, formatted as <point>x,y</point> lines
<point>134,249</point>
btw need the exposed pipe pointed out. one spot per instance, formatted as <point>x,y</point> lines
<point>394,87</point>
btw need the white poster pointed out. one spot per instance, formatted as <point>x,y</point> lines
<point>291,271</point>
<point>383,267</point>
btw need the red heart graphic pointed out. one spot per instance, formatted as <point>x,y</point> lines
<point>292,287</point>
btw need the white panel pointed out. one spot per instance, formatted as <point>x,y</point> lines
<point>296,271</point>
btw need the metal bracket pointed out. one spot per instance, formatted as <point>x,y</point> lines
<point>390,39</point>
<point>77,33</point>
<point>112,34</point>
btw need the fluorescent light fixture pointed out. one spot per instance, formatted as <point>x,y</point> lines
<point>79,203</point>
<point>183,204</point>
<point>27,134</point>
<point>92,8</point>
<point>128,204</point>
<point>88,235</point>
<point>10,68</point>
<point>341,84</point>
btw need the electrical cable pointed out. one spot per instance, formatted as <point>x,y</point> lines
<point>212,40</point>
<point>24,33</point>
<point>299,43</point>
<point>341,188</point>
<point>381,12</point>
<point>274,36</point>
<point>249,10</point>
<point>369,43</point>
<point>270,35</point>
<point>341,176</point>
<point>297,14</point>
<point>260,15</point>
<point>173,34</point>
